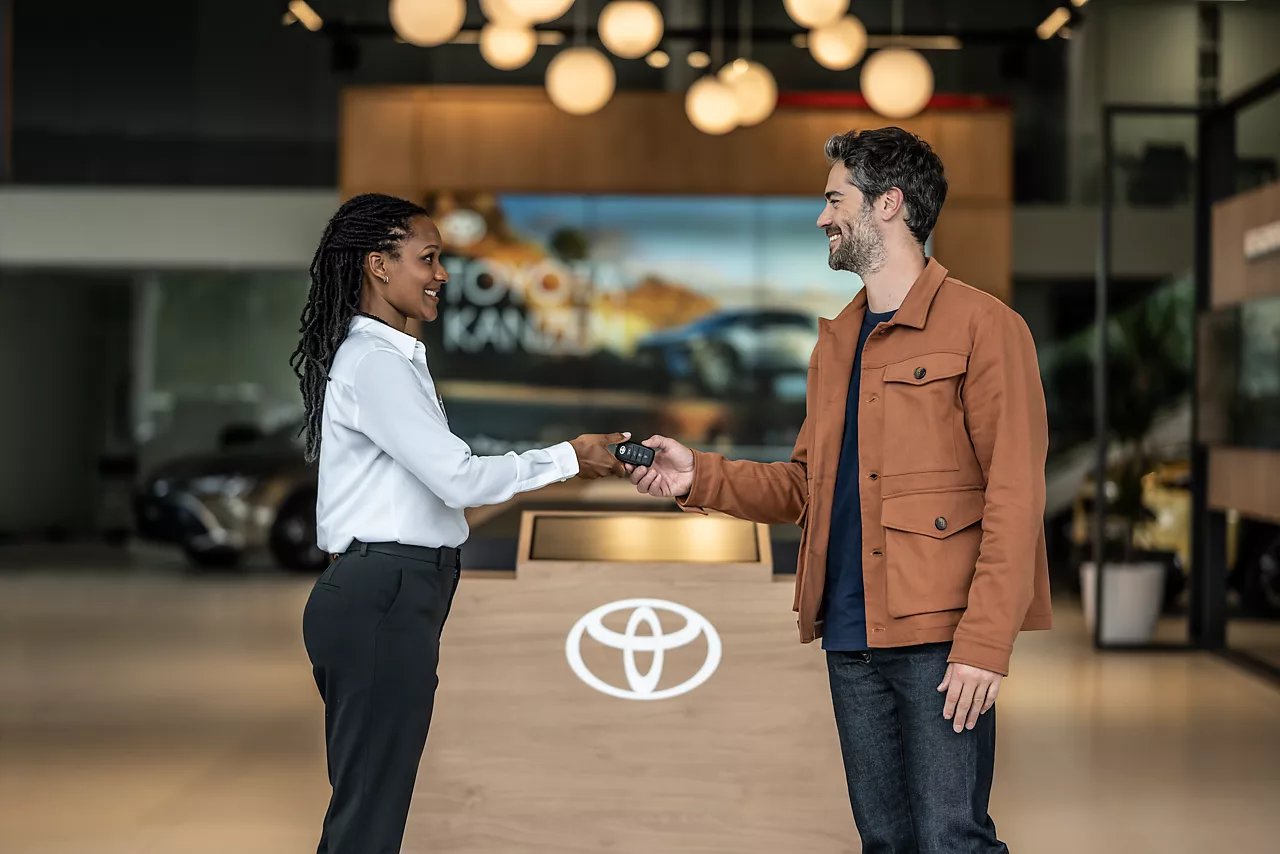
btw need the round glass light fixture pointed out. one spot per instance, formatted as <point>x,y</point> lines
<point>504,12</point>
<point>753,88</point>
<point>630,28</point>
<point>658,59</point>
<point>580,80</point>
<point>427,23</point>
<point>698,59</point>
<point>816,13</point>
<point>711,106</point>
<point>840,45</point>
<point>539,11</point>
<point>507,48</point>
<point>897,82</point>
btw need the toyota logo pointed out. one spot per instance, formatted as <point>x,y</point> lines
<point>642,685</point>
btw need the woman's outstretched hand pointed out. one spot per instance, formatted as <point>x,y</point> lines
<point>594,458</point>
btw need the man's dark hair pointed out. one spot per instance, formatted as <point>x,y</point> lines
<point>367,223</point>
<point>881,159</point>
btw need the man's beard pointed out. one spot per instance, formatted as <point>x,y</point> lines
<point>861,249</point>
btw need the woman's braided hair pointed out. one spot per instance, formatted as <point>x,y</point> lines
<point>367,223</point>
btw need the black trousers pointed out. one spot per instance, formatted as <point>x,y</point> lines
<point>372,629</point>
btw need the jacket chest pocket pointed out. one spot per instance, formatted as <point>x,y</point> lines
<point>921,411</point>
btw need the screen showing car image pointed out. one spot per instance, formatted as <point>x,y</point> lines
<point>691,315</point>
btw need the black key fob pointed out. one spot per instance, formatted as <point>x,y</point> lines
<point>634,454</point>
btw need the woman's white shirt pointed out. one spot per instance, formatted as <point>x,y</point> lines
<point>390,468</point>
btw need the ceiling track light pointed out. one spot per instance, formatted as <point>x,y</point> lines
<point>1050,26</point>
<point>301,12</point>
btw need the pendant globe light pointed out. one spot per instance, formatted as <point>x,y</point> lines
<point>507,47</point>
<point>897,82</point>
<point>815,13</point>
<point>539,11</point>
<point>427,23</point>
<point>580,80</point>
<point>710,104</point>
<point>753,86</point>
<point>839,45</point>
<point>630,28</point>
<point>505,12</point>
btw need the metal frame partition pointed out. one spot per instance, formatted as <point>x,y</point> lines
<point>1102,316</point>
<point>1215,180</point>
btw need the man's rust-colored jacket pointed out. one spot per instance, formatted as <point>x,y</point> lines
<point>952,438</point>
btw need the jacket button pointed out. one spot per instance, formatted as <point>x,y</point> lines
<point>920,372</point>
<point>940,523</point>
<point>874,476</point>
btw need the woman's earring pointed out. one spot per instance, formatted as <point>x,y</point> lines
<point>386,280</point>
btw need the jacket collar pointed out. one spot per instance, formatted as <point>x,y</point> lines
<point>914,309</point>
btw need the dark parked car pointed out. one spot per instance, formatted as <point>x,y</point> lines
<point>256,493</point>
<point>744,351</point>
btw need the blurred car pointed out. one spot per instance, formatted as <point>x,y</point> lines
<point>1253,547</point>
<point>256,493</point>
<point>735,350</point>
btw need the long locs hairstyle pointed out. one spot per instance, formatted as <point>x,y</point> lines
<point>365,224</point>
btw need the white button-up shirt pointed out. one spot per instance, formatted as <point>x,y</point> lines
<point>390,468</point>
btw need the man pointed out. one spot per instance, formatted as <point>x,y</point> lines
<point>918,479</point>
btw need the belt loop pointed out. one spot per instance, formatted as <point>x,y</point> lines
<point>364,550</point>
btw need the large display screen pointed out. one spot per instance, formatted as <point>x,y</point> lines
<point>695,316</point>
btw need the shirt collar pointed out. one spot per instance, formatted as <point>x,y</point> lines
<point>403,341</point>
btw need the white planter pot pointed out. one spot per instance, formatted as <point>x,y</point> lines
<point>1130,601</point>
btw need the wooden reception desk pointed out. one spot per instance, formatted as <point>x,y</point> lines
<point>637,686</point>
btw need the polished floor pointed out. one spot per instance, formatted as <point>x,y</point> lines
<point>143,711</point>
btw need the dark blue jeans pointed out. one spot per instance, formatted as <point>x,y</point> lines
<point>916,786</point>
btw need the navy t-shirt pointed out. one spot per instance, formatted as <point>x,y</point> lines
<point>843,603</point>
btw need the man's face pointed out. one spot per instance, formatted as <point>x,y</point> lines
<point>854,242</point>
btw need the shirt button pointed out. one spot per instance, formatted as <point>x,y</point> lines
<point>872,399</point>
<point>940,523</point>
<point>877,553</point>
<point>874,476</point>
<point>920,372</point>
<point>878,629</point>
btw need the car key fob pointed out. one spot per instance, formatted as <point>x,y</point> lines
<point>633,453</point>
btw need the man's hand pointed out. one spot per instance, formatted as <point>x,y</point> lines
<point>594,458</point>
<point>971,691</point>
<point>671,475</point>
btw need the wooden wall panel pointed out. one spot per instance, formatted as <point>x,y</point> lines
<point>1236,279</point>
<point>975,244</point>
<point>412,140</point>
<point>1246,480</point>
<point>382,133</point>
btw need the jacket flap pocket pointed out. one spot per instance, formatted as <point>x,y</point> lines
<point>933,514</point>
<point>926,368</point>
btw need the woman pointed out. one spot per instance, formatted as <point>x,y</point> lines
<point>393,484</point>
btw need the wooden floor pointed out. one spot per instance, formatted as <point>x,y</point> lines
<point>142,713</point>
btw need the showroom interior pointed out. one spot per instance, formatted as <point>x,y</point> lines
<point>627,193</point>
